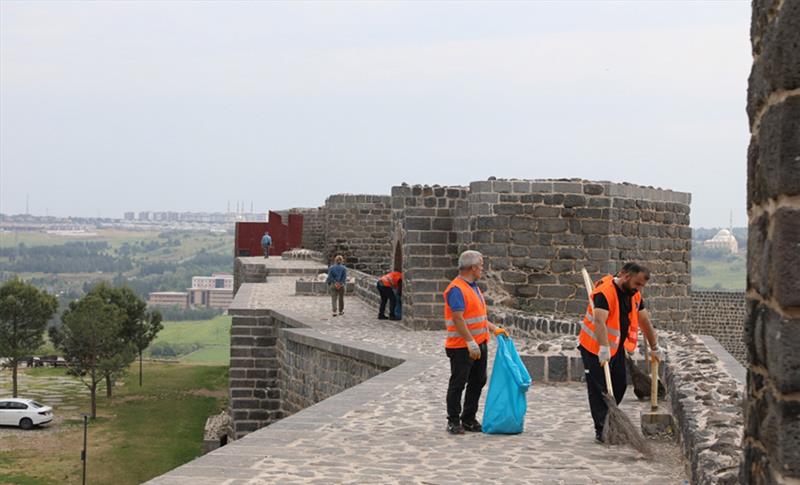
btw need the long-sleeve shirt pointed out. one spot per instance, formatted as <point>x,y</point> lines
<point>337,274</point>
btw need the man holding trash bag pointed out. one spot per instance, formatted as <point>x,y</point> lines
<point>611,322</point>
<point>468,330</point>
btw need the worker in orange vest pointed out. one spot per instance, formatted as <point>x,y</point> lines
<point>612,322</point>
<point>387,284</point>
<point>468,330</point>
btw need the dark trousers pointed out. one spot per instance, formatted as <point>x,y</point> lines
<point>266,250</point>
<point>464,371</point>
<point>387,294</point>
<point>596,383</point>
<point>337,295</point>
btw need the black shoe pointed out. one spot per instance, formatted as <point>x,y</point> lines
<point>382,317</point>
<point>454,428</point>
<point>598,438</point>
<point>472,426</point>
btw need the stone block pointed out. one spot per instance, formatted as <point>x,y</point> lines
<point>785,248</point>
<point>556,291</point>
<point>657,422</point>
<point>576,370</point>
<point>573,200</point>
<point>773,167</point>
<point>592,189</point>
<point>557,368</point>
<point>502,186</point>
<point>552,225</point>
<point>536,365</point>
<point>568,187</point>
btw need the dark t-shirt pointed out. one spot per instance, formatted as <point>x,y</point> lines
<point>625,304</point>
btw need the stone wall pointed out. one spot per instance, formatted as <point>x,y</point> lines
<point>313,227</point>
<point>772,325</point>
<point>706,405</point>
<point>721,315</point>
<point>359,228</point>
<point>315,368</point>
<point>537,235</point>
<point>424,221</point>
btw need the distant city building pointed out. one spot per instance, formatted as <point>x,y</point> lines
<point>129,216</point>
<point>144,216</point>
<point>169,299</point>
<point>723,240</point>
<point>215,291</point>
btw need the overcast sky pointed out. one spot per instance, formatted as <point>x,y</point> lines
<point>107,107</point>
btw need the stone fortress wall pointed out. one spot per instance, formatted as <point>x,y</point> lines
<point>721,315</point>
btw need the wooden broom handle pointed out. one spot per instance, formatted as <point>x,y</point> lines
<point>654,384</point>
<point>609,387</point>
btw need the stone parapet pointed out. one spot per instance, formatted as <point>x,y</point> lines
<point>721,315</point>
<point>707,406</point>
<point>358,227</point>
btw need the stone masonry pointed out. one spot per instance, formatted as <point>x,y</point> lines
<point>359,228</point>
<point>721,315</point>
<point>772,325</point>
<point>424,219</point>
<point>538,234</point>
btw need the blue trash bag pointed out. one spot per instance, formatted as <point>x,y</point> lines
<point>504,412</point>
<point>398,308</point>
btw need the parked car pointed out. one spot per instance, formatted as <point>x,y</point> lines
<point>25,413</point>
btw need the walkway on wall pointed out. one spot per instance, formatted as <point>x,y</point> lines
<point>391,428</point>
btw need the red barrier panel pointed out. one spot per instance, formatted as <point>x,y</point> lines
<point>248,235</point>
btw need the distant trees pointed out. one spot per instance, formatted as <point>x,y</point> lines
<point>24,313</point>
<point>89,338</point>
<point>139,328</point>
<point>71,257</point>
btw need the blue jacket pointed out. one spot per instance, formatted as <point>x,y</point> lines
<point>337,274</point>
<point>266,240</point>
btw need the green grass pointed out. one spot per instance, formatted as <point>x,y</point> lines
<point>213,338</point>
<point>140,433</point>
<point>719,275</point>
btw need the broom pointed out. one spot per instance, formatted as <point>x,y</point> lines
<point>642,383</point>
<point>618,428</point>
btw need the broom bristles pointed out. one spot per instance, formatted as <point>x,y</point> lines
<point>619,430</point>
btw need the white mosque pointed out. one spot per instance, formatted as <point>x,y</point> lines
<point>723,240</point>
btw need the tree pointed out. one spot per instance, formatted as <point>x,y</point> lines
<point>24,313</point>
<point>89,337</point>
<point>145,332</point>
<point>139,328</point>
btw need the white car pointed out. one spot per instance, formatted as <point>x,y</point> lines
<point>25,413</point>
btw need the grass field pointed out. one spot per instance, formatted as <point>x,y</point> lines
<point>213,338</point>
<point>719,275</point>
<point>115,237</point>
<point>140,433</point>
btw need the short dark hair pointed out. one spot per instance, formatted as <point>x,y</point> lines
<point>634,268</point>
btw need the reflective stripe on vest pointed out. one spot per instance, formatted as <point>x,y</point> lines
<point>587,337</point>
<point>474,316</point>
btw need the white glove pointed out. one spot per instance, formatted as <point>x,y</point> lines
<point>474,350</point>
<point>658,353</point>
<point>605,354</point>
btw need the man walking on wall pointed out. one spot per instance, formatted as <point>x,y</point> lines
<point>266,242</point>
<point>468,330</point>
<point>386,286</point>
<point>613,323</point>
<point>337,279</point>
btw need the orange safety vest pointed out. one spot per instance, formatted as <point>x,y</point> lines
<point>587,338</point>
<point>474,316</point>
<point>390,280</point>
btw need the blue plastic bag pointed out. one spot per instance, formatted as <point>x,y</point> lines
<point>504,412</point>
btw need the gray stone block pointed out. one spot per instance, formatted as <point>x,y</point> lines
<point>557,368</point>
<point>536,365</point>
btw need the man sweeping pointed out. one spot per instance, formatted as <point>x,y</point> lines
<point>612,321</point>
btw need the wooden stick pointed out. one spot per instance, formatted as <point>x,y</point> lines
<point>654,385</point>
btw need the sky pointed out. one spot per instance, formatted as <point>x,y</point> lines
<point>107,107</point>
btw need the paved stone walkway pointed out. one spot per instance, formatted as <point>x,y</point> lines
<point>391,428</point>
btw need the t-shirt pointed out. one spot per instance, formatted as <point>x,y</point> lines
<point>455,299</point>
<point>266,240</point>
<point>625,303</point>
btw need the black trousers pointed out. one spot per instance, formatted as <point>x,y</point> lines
<point>387,294</point>
<point>465,371</point>
<point>596,383</point>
